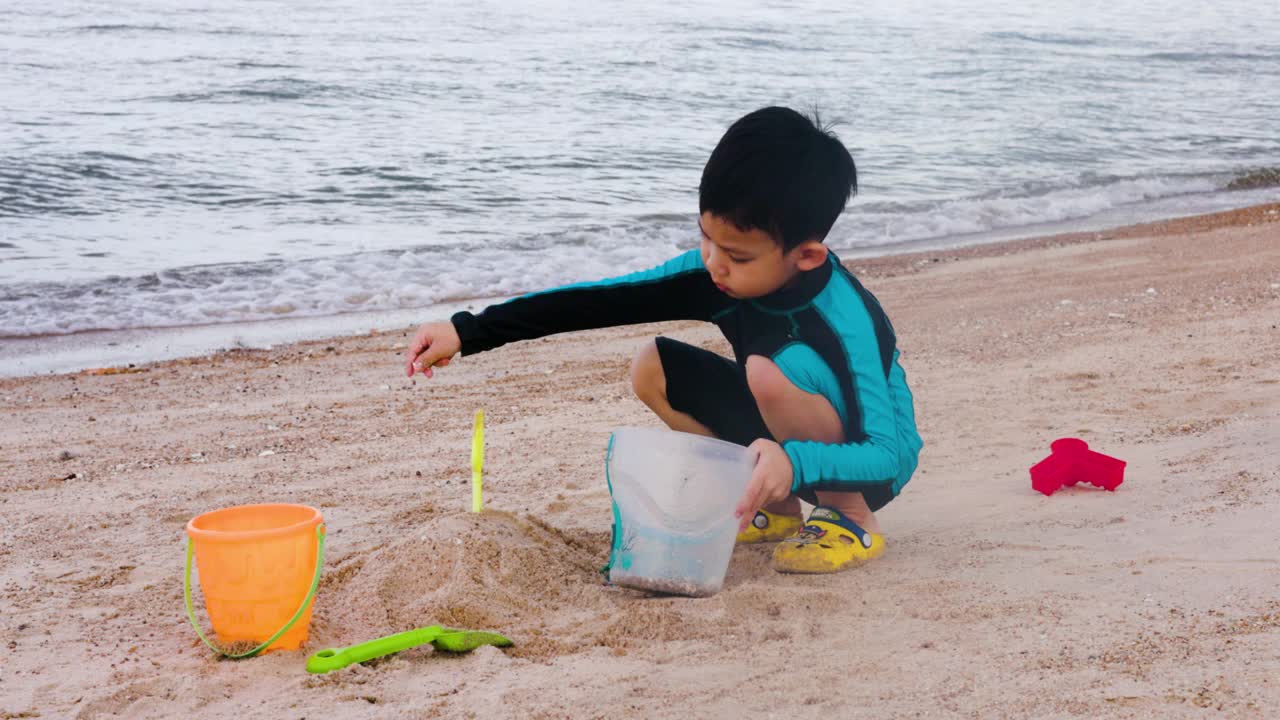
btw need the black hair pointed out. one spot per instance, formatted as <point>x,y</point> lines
<point>778,171</point>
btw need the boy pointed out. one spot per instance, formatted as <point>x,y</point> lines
<point>815,388</point>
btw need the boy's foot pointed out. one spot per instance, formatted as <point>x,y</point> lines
<point>770,527</point>
<point>829,542</point>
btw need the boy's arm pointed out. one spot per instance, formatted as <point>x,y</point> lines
<point>679,289</point>
<point>850,467</point>
<point>884,453</point>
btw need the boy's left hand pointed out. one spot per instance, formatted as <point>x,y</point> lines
<point>770,482</point>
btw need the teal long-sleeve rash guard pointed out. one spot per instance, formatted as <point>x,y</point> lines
<point>826,332</point>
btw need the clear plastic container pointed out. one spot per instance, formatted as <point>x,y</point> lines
<point>673,500</point>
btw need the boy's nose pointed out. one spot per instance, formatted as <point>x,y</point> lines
<point>715,265</point>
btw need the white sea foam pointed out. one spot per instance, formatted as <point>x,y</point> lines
<point>427,276</point>
<point>968,216</point>
<point>326,286</point>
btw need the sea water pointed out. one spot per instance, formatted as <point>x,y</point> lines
<point>185,164</point>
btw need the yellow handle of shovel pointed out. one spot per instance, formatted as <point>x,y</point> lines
<point>477,461</point>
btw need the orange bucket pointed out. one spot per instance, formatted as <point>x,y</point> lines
<point>259,568</point>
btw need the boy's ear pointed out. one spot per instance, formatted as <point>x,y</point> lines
<point>809,255</point>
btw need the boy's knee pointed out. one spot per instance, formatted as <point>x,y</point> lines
<point>647,378</point>
<point>791,412</point>
<point>766,380</point>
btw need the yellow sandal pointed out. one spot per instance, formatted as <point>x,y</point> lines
<point>828,543</point>
<point>769,527</point>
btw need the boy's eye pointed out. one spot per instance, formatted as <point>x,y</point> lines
<point>738,259</point>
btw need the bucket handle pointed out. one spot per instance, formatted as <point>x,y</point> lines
<point>191,613</point>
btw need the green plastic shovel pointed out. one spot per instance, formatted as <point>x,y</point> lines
<point>441,638</point>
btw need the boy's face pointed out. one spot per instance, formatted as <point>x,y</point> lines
<point>750,264</point>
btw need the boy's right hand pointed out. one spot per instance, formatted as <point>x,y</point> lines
<point>434,345</point>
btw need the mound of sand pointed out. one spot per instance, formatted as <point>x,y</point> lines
<point>501,572</point>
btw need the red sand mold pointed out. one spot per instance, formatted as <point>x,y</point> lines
<point>1071,461</point>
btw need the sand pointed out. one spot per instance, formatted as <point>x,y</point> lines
<point>1157,344</point>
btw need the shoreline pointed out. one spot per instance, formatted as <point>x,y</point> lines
<point>135,347</point>
<point>1265,213</point>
